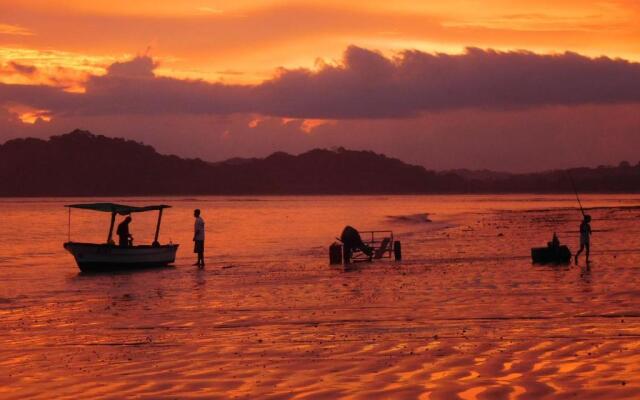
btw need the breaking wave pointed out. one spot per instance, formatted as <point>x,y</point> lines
<point>411,218</point>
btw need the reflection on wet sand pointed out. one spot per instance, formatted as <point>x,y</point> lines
<point>467,317</point>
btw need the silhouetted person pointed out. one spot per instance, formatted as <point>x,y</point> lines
<point>585,237</point>
<point>124,236</point>
<point>198,238</point>
<point>351,241</point>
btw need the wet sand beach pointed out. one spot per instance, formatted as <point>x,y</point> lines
<point>465,315</point>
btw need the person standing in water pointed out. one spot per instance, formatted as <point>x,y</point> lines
<point>198,238</point>
<point>585,237</point>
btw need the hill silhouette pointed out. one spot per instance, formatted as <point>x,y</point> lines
<point>82,164</point>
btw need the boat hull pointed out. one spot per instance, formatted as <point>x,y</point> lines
<point>92,257</point>
<point>550,255</point>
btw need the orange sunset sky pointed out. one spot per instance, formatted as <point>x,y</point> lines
<point>545,84</point>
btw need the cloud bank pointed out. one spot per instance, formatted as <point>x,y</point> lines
<point>515,111</point>
<point>364,85</point>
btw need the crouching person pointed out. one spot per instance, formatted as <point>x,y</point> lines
<point>351,241</point>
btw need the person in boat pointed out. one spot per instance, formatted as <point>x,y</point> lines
<point>124,236</point>
<point>585,237</point>
<point>351,241</point>
<point>198,238</point>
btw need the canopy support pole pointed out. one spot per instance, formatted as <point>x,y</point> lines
<point>113,220</point>
<point>155,240</point>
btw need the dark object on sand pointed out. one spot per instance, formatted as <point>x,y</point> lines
<point>397,250</point>
<point>335,253</point>
<point>352,243</point>
<point>378,244</point>
<point>554,253</point>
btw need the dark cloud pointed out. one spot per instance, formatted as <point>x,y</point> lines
<point>16,68</point>
<point>132,87</point>
<point>139,67</point>
<point>369,85</point>
<point>22,69</point>
<point>365,85</point>
<point>40,97</point>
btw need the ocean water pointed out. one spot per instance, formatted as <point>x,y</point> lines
<point>465,314</point>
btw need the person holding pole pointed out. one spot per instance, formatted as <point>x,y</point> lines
<point>585,237</point>
<point>585,226</point>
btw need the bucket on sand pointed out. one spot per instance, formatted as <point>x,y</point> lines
<point>335,253</point>
<point>397,250</point>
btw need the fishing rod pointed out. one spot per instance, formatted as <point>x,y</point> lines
<point>575,192</point>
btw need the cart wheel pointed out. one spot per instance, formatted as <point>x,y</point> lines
<point>397,250</point>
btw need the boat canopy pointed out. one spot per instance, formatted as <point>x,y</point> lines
<point>117,208</point>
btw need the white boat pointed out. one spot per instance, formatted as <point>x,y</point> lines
<point>103,257</point>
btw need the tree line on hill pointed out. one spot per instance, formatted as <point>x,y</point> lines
<point>82,164</point>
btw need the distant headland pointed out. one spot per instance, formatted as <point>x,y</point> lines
<point>80,163</point>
